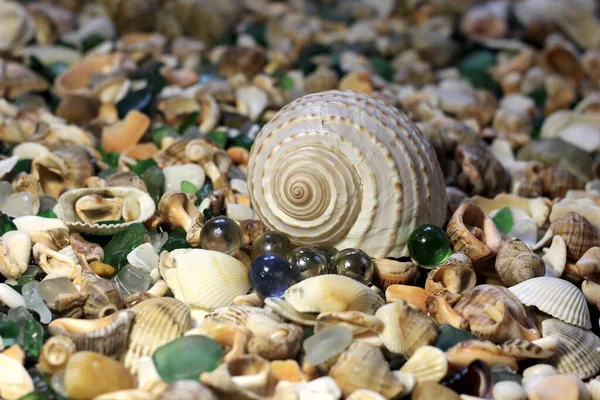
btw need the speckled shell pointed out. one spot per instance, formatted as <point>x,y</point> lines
<point>350,371</point>
<point>467,219</point>
<point>472,307</point>
<point>579,234</point>
<point>109,338</point>
<point>451,278</point>
<point>577,353</point>
<point>557,297</point>
<point>427,364</point>
<point>481,172</point>
<point>104,297</point>
<point>238,315</point>
<point>351,171</point>
<point>325,293</point>
<point>516,262</point>
<point>134,199</point>
<point>157,322</point>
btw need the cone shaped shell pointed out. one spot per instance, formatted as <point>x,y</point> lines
<point>556,297</point>
<point>327,293</point>
<point>157,322</point>
<point>348,168</point>
<point>427,364</point>
<point>577,353</point>
<point>135,200</point>
<point>206,279</point>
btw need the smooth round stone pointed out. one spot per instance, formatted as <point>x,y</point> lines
<point>508,390</point>
<point>271,275</point>
<point>327,344</point>
<point>308,261</point>
<point>355,264</point>
<point>428,246</point>
<point>187,357</point>
<point>272,242</point>
<point>221,234</point>
<point>10,296</point>
<point>90,374</point>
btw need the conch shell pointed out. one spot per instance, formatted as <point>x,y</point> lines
<point>337,155</point>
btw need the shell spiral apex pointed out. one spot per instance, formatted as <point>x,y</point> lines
<point>344,169</point>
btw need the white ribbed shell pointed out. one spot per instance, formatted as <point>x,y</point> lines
<point>557,297</point>
<point>344,169</point>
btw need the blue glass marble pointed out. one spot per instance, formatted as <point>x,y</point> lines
<point>272,274</point>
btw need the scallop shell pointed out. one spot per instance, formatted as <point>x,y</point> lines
<point>283,308</point>
<point>158,321</point>
<point>106,335</point>
<point>556,297</point>
<point>577,353</point>
<point>325,293</point>
<point>348,168</point>
<point>406,328</point>
<point>427,364</point>
<point>135,203</point>
<point>450,279</point>
<point>363,357</point>
<point>238,315</point>
<point>204,278</point>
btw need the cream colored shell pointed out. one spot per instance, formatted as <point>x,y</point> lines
<point>344,169</point>
<point>557,297</point>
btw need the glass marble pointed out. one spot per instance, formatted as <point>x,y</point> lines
<point>308,261</point>
<point>355,264</point>
<point>428,246</point>
<point>272,242</point>
<point>221,234</point>
<point>187,357</point>
<point>272,274</point>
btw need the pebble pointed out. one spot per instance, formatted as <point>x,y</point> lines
<point>239,186</point>
<point>35,302</point>
<point>11,297</point>
<point>103,270</point>
<point>558,387</point>
<point>239,212</point>
<point>327,344</point>
<point>90,374</point>
<point>508,390</point>
<point>175,174</point>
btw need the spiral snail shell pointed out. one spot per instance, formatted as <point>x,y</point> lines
<point>343,169</point>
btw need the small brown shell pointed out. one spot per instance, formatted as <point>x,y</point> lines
<point>90,251</point>
<point>126,178</point>
<point>495,314</point>
<point>557,181</point>
<point>282,344</point>
<point>62,169</point>
<point>450,279</point>
<point>242,60</point>
<point>104,297</point>
<point>365,357</point>
<point>106,335</point>
<point>579,234</point>
<point>158,321</point>
<point>481,172</point>
<point>55,353</point>
<point>471,232</point>
<point>516,262</point>
<point>391,272</point>
<point>69,304</point>
<point>177,210</point>
<point>462,354</point>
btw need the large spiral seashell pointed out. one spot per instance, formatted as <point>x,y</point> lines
<point>343,169</point>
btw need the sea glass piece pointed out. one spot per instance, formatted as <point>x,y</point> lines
<point>131,280</point>
<point>33,336</point>
<point>9,332</point>
<point>187,357</point>
<point>428,246</point>
<point>21,204</point>
<point>327,344</point>
<point>504,220</point>
<point>35,302</point>
<point>450,336</point>
<point>122,243</point>
<point>50,288</point>
<point>155,182</point>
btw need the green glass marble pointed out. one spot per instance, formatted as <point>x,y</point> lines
<point>33,336</point>
<point>503,220</point>
<point>287,83</point>
<point>219,137</point>
<point>154,179</point>
<point>428,246</point>
<point>176,240</point>
<point>272,242</point>
<point>47,214</point>
<point>450,336</point>
<point>187,357</point>
<point>122,243</point>
<point>141,166</point>
<point>9,332</point>
<point>188,187</point>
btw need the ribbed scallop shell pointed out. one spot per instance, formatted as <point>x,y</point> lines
<point>239,315</point>
<point>327,293</point>
<point>157,322</point>
<point>344,169</point>
<point>133,198</point>
<point>206,279</point>
<point>577,353</point>
<point>427,364</point>
<point>557,297</point>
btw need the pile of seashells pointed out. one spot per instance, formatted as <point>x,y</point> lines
<point>303,199</point>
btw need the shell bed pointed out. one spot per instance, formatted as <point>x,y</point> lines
<point>299,200</point>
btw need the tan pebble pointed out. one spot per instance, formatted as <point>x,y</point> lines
<point>90,374</point>
<point>16,353</point>
<point>508,390</point>
<point>102,269</point>
<point>430,391</point>
<point>558,387</point>
<point>287,370</point>
<point>239,155</point>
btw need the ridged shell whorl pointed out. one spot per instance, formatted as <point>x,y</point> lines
<point>344,169</point>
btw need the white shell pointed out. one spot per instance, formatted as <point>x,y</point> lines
<point>15,381</point>
<point>175,174</point>
<point>556,297</point>
<point>18,27</point>
<point>392,337</point>
<point>11,297</point>
<point>577,353</point>
<point>283,308</point>
<point>343,169</point>
<point>29,150</point>
<point>16,247</point>
<point>143,257</point>
<point>326,293</point>
<point>33,223</point>
<point>7,165</point>
<point>427,364</point>
<point>132,199</point>
<point>508,390</point>
<point>556,257</point>
<point>204,278</point>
